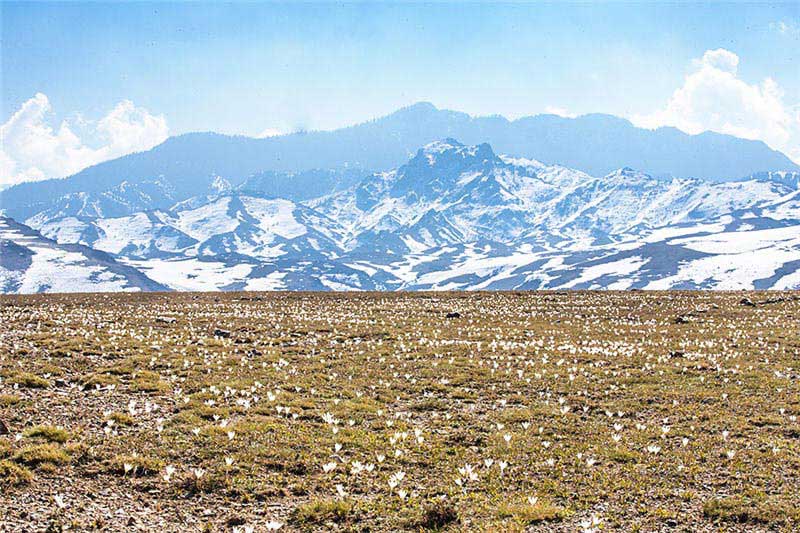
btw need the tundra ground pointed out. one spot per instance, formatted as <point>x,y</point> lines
<point>535,411</point>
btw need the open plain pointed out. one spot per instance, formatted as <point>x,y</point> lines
<point>539,411</point>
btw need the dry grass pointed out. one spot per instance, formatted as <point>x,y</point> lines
<point>530,513</point>
<point>31,381</point>
<point>358,412</point>
<point>12,474</point>
<point>47,433</point>
<point>321,511</point>
<point>38,454</point>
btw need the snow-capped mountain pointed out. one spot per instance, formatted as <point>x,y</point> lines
<point>452,193</point>
<point>115,201</point>
<point>454,217</point>
<point>30,263</point>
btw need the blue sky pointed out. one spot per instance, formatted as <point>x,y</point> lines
<point>246,68</point>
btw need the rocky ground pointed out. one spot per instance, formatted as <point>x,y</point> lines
<point>551,411</point>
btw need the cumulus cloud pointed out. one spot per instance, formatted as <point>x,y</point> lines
<point>31,149</point>
<point>720,59</point>
<point>714,98</point>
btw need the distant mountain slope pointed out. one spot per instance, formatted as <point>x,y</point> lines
<point>595,144</point>
<point>454,216</point>
<point>30,263</point>
<point>302,185</point>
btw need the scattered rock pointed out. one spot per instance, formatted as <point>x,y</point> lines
<point>453,314</point>
<point>236,521</point>
<point>747,301</point>
<point>224,333</point>
<point>779,299</point>
<point>165,320</point>
<point>683,319</point>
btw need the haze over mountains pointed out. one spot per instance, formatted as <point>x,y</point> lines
<point>419,199</point>
<point>595,144</point>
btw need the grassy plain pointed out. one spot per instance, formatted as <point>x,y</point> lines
<point>543,411</point>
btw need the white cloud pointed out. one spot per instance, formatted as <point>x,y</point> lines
<point>560,111</point>
<point>270,132</point>
<point>719,59</point>
<point>714,98</point>
<point>32,150</point>
<point>789,28</point>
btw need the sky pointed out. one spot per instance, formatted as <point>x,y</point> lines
<point>82,83</point>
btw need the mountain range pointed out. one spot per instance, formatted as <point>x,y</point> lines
<point>304,165</point>
<point>453,216</point>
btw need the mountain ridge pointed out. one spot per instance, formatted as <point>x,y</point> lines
<point>595,143</point>
<point>459,216</point>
